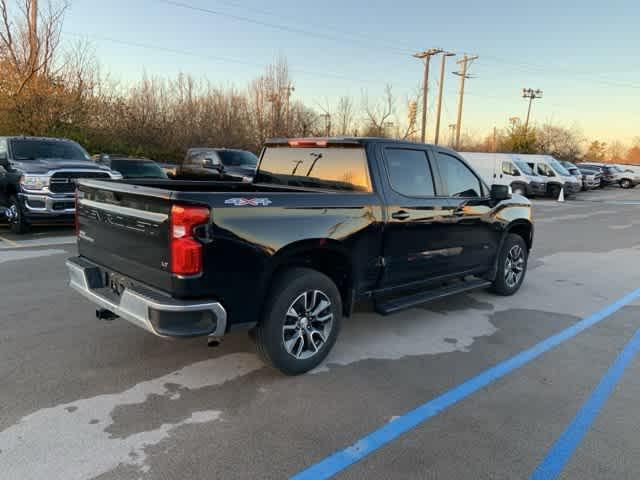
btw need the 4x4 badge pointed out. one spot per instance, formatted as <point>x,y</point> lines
<point>253,202</point>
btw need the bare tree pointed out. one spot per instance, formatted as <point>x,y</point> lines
<point>616,151</point>
<point>561,142</point>
<point>379,113</point>
<point>30,39</point>
<point>345,115</point>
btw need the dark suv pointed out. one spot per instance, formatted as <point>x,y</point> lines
<point>38,179</point>
<point>218,164</point>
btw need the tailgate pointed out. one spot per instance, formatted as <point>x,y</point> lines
<point>125,228</point>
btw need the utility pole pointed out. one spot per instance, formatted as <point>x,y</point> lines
<point>531,94</point>
<point>465,62</point>
<point>441,89</point>
<point>452,130</point>
<point>426,57</point>
<point>33,35</point>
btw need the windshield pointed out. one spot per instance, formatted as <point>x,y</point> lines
<point>138,169</point>
<point>560,170</point>
<point>237,158</point>
<point>25,149</point>
<point>524,167</point>
<point>330,168</point>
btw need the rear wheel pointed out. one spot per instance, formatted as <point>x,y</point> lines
<point>512,265</point>
<point>300,322</point>
<point>15,215</point>
<point>625,183</point>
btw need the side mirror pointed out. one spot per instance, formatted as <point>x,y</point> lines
<point>515,173</point>
<point>500,192</point>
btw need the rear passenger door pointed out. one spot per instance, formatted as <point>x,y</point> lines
<point>415,245</point>
<point>471,229</point>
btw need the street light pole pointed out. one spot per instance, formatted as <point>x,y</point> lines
<point>531,94</point>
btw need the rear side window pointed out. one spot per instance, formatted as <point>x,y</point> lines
<point>3,145</point>
<point>459,180</point>
<point>409,172</point>
<point>333,168</point>
<point>237,158</point>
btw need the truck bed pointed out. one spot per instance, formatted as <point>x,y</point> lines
<point>124,227</point>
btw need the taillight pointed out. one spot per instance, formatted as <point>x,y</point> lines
<point>185,250</point>
<point>307,143</point>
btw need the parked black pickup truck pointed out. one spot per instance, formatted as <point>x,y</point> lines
<point>326,223</point>
<point>37,179</point>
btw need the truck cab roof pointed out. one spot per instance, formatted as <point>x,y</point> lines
<point>344,141</point>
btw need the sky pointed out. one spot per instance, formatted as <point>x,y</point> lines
<point>585,56</point>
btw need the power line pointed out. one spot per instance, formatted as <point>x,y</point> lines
<point>552,69</point>
<point>277,26</point>
<point>215,58</point>
<point>342,33</point>
<point>366,42</point>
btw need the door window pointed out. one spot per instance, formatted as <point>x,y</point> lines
<point>458,179</point>
<point>509,169</point>
<point>3,145</point>
<point>409,172</point>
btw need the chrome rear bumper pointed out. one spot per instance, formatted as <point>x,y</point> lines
<point>157,313</point>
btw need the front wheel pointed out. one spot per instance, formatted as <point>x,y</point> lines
<point>301,321</point>
<point>519,190</point>
<point>15,215</point>
<point>625,183</point>
<point>554,191</point>
<point>512,265</point>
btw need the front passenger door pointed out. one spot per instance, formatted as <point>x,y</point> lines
<point>472,228</point>
<point>415,246</point>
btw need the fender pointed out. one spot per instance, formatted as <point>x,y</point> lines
<point>326,255</point>
<point>520,223</point>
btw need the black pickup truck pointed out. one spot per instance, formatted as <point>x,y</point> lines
<point>326,223</point>
<point>37,179</point>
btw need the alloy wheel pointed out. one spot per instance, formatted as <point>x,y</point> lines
<point>514,266</point>
<point>308,324</point>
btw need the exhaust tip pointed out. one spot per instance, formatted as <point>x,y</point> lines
<point>104,314</point>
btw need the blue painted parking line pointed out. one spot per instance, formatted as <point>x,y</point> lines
<point>561,451</point>
<point>377,439</point>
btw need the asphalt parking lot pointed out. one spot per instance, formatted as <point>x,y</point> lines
<point>83,399</point>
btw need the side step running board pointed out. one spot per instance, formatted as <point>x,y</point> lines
<point>390,306</point>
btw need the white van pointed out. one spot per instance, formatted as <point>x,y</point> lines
<point>557,176</point>
<point>507,169</point>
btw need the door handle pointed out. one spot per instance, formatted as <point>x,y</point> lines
<point>400,215</point>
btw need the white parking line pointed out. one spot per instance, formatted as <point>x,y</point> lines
<point>5,243</point>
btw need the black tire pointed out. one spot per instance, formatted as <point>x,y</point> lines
<point>17,222</point>
<point>519,190</point>
<point>554,191</point>
<point>502,285</point>
<point>625,183</point>
<point>270,333</point>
